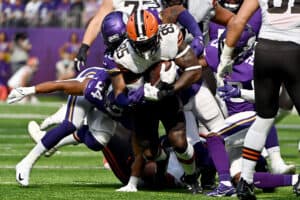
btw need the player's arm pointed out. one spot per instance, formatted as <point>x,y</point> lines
<point>237,24</point>
<point>92,32</point>
<point>94,26</point>
<point>72,87</point>
<point>188,62</point>
<point>119,87</point>
<point>222,15</point>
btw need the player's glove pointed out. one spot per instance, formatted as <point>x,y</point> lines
<point>226,62</point>
<point>80,58</point>
<point>19,93</point>
<point>152,93</point>
<point>168,76</point>
<point>228,91</point>
<point>197,45</point>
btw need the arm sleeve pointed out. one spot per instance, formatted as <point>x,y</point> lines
<point>189,22</point>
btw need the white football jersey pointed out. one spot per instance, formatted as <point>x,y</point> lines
<point>127,6</point>
<point>201,9</point>
<point>281,20</point>
<point>126,56</point>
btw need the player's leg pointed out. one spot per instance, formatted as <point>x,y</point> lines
<point>285,104</point>
<point>173,120</point>
<point>77,108</point>
<point>210,115</point>
<point>267,81</point>
<point>145,142</point>
<point>278,165</point>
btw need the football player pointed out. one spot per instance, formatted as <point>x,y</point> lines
<point>148,43</point>
<point>182,16</point>
<point>96,81</point>
<point>276,41</point>
<point>238,90</point>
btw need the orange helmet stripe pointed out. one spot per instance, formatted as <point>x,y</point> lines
<point>131,28</point>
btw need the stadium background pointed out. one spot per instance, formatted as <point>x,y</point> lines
<point>45,44</point>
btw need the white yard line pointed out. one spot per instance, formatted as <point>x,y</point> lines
<point>55,167</point>
<point>40,104</point>
<point>22,116</point>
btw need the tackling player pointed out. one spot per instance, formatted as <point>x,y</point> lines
<point>78,107</point>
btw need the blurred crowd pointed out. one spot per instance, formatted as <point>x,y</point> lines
<point>17,65</point>
<point>47,13</point>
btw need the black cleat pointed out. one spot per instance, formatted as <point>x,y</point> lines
<point>296,187</point>
<point>192,183</point>
<point>245,191</point>
<point>208,178</point>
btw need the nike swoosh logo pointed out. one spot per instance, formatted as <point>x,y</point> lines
<point>20,178</point>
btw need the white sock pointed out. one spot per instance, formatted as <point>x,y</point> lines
<point>275,157</point>
<point>35,153</point>
<point>295,179</point>
<point>133,180</point>
<point>66,141</point>
<point>255,140</point>
<point>187,155</point>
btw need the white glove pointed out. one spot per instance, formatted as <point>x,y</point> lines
<point>127,188</point>
<point>19,93</point>
<point>150,92</point>
<point>170,75</point>
<point>226,62</point>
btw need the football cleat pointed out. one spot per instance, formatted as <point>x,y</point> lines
<point>222,191</point>
<point>208,178</point>
<point>35,132</point>
<point>56,118</point>
<point>245,191</point>
<point>22,174</point>
<point>296,187</point>
<point>50,152</point>
<point>192,183</point>
<point>127,188</point>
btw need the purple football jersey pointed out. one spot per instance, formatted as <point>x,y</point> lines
<point>96,90</point>
<point>241,77</point>
<point>215,30</point>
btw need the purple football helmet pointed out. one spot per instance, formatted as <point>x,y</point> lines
<point>114,29</point>
<point>244,47</point>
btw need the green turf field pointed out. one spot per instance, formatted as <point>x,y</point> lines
<point>78,173</point>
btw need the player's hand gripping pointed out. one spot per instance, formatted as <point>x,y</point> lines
<point>226,62</point>
<point>228,91</point>
<point>80,58</point>
<point>152,93</point>
<point>19,93</point>
<point>197,45</point>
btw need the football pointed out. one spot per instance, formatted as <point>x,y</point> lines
<point>154,74</point>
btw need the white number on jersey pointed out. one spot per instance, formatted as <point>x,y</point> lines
<point>128,6</point>
<point>97,94</point>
